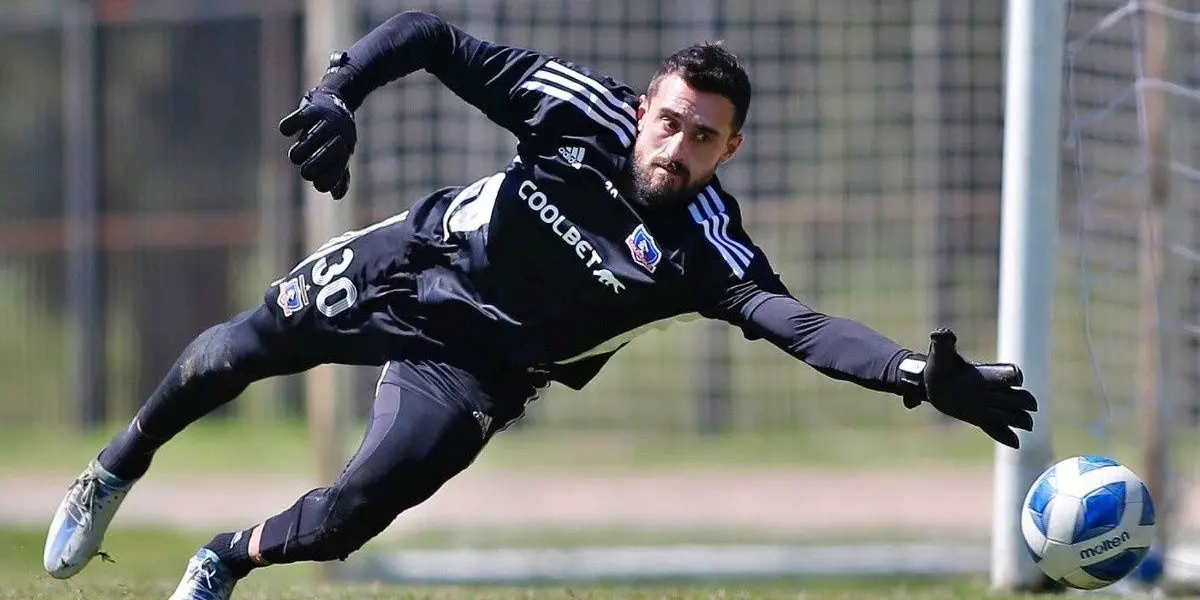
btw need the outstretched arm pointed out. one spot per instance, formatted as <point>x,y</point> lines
<point>524,91</point>
<point>484,74</point>
<point>988,396</point>
<point>736,284</point>
<point>838,347</point>
<point>323,124</point>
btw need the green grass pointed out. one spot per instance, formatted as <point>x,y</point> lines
<point>478,537</point>
<point>818,589</point>
<point>283,447</point>
<point>149,563</point>
<point>208,446</point>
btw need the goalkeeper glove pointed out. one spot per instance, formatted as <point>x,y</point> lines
<point>327,137</point>
<point>986,395</point>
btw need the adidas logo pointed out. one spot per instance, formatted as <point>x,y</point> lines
<point>573,155</point>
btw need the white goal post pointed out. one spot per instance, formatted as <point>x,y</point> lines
<point>1035,38</point>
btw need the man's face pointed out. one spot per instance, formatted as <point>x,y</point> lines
<point>683,135</point>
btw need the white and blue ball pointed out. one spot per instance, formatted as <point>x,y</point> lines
<point>1088,521</point>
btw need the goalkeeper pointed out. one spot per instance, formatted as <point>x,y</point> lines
<point>609,220</point>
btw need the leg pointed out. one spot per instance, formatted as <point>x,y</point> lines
<point>324,311</point>
<point>214,369</point>
<point>297,327</point>
<point>426,426</point>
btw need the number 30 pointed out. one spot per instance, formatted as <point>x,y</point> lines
<point>323,275</point>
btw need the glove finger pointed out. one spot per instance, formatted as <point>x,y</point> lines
<point>328,162</point>
<point>1001,434</point>
<point>298,120</point>
<point>342,186</point>
<point>332,180</point>
<point>307,145</point>
<point>325,181</point>
<point>1001,374</point>
<point>943,340</point>
<point>1013,398</point>
<point>1012,418</point>
<point>943,362</point>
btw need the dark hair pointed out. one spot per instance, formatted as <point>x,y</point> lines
<point>709,67</point>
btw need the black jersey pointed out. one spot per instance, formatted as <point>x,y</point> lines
<point>547,262</point>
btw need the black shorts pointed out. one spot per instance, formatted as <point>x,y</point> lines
<point>356,301</point>
<point>354,298</point>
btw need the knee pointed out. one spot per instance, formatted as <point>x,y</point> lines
<point>211,355</point>
<point>221,350</point>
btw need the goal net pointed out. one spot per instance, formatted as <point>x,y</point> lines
<point>1126,320</point>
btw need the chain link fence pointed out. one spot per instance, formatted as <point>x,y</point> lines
<point>871,176</point>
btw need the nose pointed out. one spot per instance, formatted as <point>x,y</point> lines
<point>675,150</point>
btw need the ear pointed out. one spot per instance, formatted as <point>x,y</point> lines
<point>640,111</point>
<point>731,147</point>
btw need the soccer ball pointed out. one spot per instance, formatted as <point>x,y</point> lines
<point>1088,521</point>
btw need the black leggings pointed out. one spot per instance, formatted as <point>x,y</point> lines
<point>423,430</point>
<point>354,301</point>
<point>430,418</point>
<point>429,423</point>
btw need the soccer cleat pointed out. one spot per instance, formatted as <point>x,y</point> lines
<point>205,579</point>
<point>83,516</point>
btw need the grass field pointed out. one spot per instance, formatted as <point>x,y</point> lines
<point>149,563</point>
<point>284,447</point>
<point>818,590</point>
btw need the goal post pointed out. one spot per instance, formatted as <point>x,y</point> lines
<point>329,25</point>
<point>1035,38</point>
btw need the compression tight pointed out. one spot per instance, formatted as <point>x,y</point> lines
<point>216,367</point>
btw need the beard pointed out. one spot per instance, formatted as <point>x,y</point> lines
<point>646,192</point>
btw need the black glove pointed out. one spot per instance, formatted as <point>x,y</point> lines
<point>326,141</point>
<point>988,395</point>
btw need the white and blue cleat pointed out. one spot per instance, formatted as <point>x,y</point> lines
<point>205,579</point>
<point>83,516</point>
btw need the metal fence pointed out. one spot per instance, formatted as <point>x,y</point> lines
<point>871,176</point>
